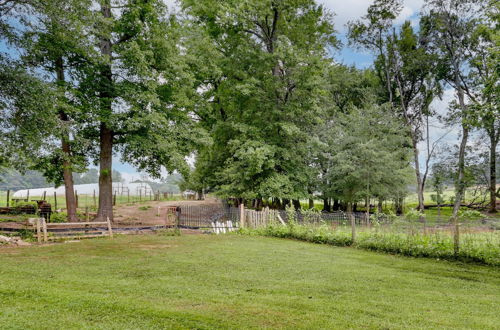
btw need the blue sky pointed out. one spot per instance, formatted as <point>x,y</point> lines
<point>343,11</point>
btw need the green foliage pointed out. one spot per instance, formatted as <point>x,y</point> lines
<point>471,215</point>
<point>414,214</point>
<point>478,247</point>
<point>169,232</point>
<point>371,155</point>
<point>145,208</point>
<point>263,83</point>
<point>21,203</point>
<point>59,217</point>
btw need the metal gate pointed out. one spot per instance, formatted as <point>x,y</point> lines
<point>216,217</point>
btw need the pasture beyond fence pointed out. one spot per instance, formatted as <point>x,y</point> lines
<point>87,201</point>
<point>474,238</point>
<point>202,216</point>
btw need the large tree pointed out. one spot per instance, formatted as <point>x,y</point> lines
<point>371,156</point>
<point>117,84</point>
<point>449,26</point>
<point>406,67</point>
<point>260,68</point>
<point>136,93</point>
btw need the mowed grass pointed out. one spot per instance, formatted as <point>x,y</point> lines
<point>208,281</point>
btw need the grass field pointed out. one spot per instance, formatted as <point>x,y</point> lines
<point>232,281</point>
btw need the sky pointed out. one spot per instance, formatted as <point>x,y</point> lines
<point>345,11</point>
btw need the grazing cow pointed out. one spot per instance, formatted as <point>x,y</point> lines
<point>44,209</point>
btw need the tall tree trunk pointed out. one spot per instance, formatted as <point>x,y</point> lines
<point>66,149</point>
<point>336,204</point>
<point>326,205</point>
<point>493,171</point>
<point>353,221</point>
<point>461,162</point>
<point>296,204</point>
<point>380,205</point>
<point>420,186</point>
<point>106,134</point>
<point>105,178</point>
<point>367,211</point>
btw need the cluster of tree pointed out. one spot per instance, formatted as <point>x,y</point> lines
<point>287,123</point>
<point>92,79</point>
<point>251,88</point>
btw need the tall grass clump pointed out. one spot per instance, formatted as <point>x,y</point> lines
<point>481,247</point>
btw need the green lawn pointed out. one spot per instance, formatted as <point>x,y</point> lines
<point>237,281</point>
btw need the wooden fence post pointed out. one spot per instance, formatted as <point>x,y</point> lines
<point>8,197</point>
<point>44,227</point>
<point>38,231</point>
<point>242,215</point>
<point>44,195</point>
<point>353,227</point>
<point>28,196</point>
<point>110,230</point>
<point>128,196</point>
<point>177,217</point>
<point>55,200</point>
<point>114,198</point>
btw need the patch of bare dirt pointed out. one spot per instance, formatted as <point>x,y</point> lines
<point>150,213</point>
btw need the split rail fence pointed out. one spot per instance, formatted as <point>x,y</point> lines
<point>70,230</point>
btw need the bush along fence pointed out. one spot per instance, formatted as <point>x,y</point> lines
<point>411,235</point>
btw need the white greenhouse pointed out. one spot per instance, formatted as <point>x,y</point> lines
<point>124,189</point>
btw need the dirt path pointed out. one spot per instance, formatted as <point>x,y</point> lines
<point>132,214</point>
<point>146,213</point>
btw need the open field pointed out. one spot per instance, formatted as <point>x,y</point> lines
<point>205,281</point>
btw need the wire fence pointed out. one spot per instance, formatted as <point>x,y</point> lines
<point>203,216</point>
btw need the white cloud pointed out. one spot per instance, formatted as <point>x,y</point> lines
<point>129,177</point>
<point>346,11</point>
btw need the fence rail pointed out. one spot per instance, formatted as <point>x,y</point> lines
<point>70,230</point>
<point>206,216</point>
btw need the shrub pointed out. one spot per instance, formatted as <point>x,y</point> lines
<point>59,217</point>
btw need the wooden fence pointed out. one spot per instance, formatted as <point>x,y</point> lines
<point>71,230</point>
<point>256,219</point>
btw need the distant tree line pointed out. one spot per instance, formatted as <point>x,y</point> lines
<point>11,179</point>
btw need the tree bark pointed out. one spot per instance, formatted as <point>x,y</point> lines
<point>66,149</point>
<point>493,172</point>
<point>105,178</point>
<point>336,204</point>
<point>420,186</point>
<point>106,134</point>
<point>461,170</point>
<point>326,205</point>
<point>353,221</point>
